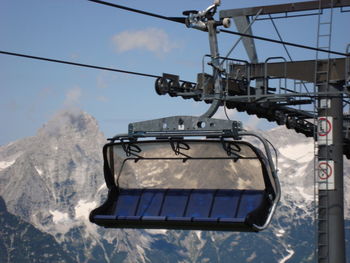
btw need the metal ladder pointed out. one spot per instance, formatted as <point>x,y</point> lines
<point>322,68</point>
<point>347,79</point>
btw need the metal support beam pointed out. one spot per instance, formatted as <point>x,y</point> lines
<point>283,8</point>
<point>337,69</point>
<point>331,238</point>
<point>242,25</point>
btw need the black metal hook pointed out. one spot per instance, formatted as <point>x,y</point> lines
<point>177,146</point>
<point>231,148</point>
<point>131,149</point>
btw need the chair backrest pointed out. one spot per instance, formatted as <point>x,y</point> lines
<point>190,164</point>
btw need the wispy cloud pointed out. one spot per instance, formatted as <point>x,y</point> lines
<point>154,40</point>
<point>73,97</point>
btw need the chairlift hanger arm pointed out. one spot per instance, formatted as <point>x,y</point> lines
<point>204,21</point>
<point>199,19</point>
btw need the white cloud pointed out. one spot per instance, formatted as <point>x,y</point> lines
<point>151,39</point>
<point>249,122</point>
<point>231,113</point>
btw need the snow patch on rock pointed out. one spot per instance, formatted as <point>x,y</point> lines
<point>302,152</point>
<point>83,209</point>
<point>6,164</point>
<point>40,172</point>
<point>59,217</point>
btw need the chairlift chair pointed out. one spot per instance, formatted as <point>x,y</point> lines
<point>187,173</point>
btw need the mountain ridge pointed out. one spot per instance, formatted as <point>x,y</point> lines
<point>55,178</point>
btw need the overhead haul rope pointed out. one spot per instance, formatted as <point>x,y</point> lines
<point>173,19</point>
<point>82,65</point>
<point>183,21</point>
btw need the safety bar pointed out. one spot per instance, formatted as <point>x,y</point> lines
<point>274,174</point>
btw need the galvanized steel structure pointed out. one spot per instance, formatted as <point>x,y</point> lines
<point>326,122</point>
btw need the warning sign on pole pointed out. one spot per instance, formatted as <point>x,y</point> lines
<point>326,175</point>
<point>325,131</point>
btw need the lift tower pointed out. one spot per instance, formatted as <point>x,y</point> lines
<point>329,165</point>
<point>329,146</point>
<point>325,123</point>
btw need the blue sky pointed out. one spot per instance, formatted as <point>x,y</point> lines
<point>81,31</point>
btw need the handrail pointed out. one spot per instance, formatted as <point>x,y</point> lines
<point>265,72</point>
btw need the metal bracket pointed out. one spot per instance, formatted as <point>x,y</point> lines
<point>198,19</point>
<point>181,126</point>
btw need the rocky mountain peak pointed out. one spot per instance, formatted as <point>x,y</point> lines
<point>69,121</point>
<point>49,179</point>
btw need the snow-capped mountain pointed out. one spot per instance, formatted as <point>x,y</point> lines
<point>53,179</point>
<point>296,167</point>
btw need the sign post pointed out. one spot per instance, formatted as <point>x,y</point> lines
<point>326,175</point>
<point>325,130</point>
<point>331,237</point>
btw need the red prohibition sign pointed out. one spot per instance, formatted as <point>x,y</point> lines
<point>325,170</point>
<point>328,126</point>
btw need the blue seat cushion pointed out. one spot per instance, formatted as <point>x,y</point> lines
<point>182,206</point>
